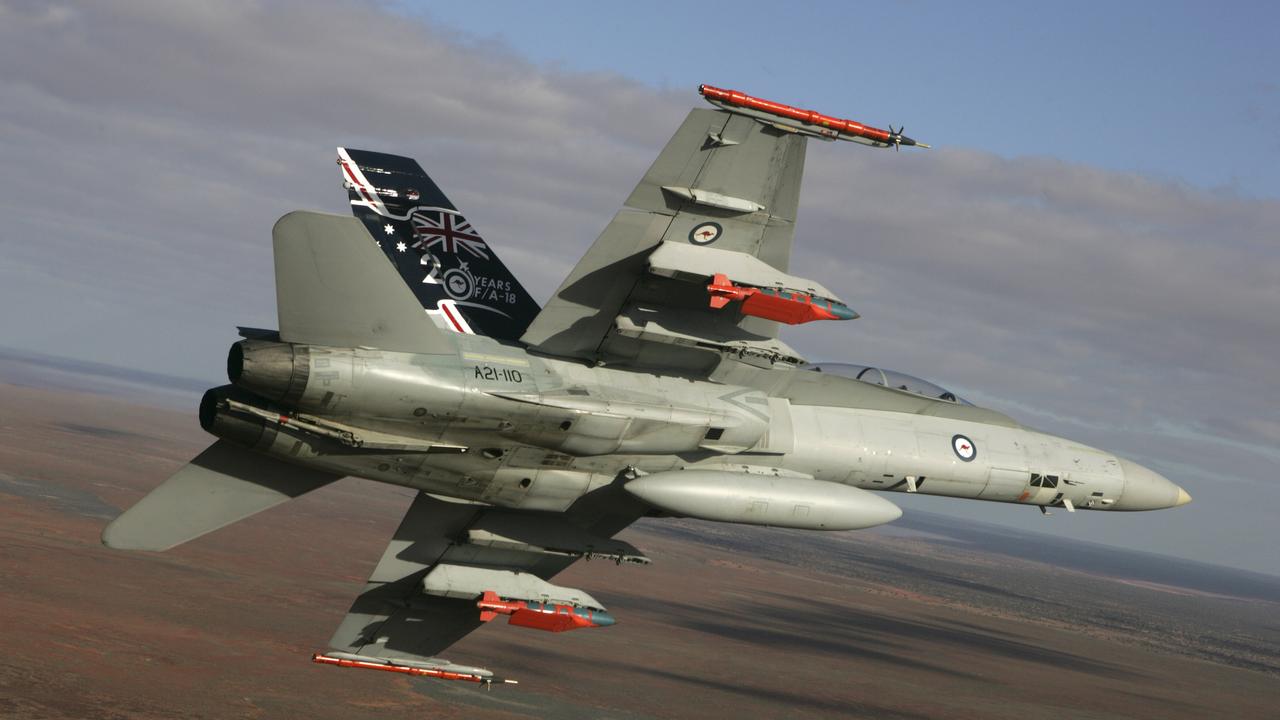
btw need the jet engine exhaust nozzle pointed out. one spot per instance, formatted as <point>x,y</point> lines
<point>277,371</point>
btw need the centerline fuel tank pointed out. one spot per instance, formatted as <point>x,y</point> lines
<point>752,499</point>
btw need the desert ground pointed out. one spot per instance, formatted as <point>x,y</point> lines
<point>927,618</point>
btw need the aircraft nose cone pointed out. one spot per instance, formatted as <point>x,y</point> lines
<point>1145,489</point>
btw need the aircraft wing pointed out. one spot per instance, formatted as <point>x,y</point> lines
<point>720,200</point>
<point>421,597</point>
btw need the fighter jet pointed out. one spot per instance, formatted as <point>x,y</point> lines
<point>653,383</point>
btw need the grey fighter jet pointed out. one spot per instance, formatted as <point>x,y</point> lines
<point>653,383</point>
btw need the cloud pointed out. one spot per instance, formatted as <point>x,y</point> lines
<point>151,145</point>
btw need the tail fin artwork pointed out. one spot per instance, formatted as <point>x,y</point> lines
<point>454,273</point>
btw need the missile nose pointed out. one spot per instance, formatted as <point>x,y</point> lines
<point>1145,489</point>
<point>844,312</point>
<point>1183,498</point>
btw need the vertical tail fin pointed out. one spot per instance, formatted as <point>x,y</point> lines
<point>454,273</point>
<point>334,288</point>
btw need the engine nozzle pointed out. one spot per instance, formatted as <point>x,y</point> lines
<point>277,371</point>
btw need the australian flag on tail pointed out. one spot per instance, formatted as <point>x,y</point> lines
<point>455,274</point>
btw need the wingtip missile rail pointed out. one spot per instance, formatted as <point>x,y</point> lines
<point>808,122</point>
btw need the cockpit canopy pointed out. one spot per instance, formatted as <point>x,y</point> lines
<point>889,378</point>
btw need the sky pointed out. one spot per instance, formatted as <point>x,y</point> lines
<point>1091,246</point>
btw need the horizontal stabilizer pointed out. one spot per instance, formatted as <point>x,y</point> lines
<point>335,287</point>
<point>223,484</point>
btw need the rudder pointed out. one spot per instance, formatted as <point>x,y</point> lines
<point>456,276</point>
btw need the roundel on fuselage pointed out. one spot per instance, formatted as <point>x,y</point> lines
<point>964,448</point>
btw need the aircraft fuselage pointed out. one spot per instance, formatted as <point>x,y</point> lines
<point>495,424</point>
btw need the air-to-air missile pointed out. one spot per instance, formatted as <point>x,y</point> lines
<point>809,122</point>
<point>549,616</point>
<point>406,666</point>
<point>787,306</point>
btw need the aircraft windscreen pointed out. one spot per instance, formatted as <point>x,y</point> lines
<point>889,378</point>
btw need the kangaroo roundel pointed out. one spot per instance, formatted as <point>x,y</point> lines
<point>964,448</point>
<point>706,233</point>
<point>459,283</point>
